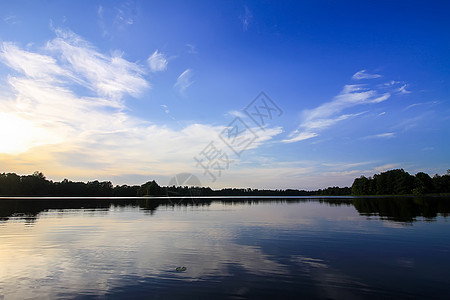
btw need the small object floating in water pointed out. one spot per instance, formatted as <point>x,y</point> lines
<point>180,269</point>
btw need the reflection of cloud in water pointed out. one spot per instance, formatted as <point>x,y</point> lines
<point>330,282</point>
<point>79,254</point>
<point>395,225</point>
<point>304,261</point>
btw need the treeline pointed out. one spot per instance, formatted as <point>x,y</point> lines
<point>393,182</point>
<point>334,191</point>
<point>36,184</point>
<point>399,182</point>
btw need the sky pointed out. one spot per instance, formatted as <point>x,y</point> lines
<point>259,94</point>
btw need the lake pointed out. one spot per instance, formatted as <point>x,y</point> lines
<point>289,248</point>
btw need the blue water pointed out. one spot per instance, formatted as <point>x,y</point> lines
<point>332,249</point>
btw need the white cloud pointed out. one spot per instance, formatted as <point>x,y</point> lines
<point>166,108</point>
<point>403,90</point>
<point>428,104</point>
<point>110,76</point>
<point>184,81</point>
<point>236,113</point>
<point>412,105</point>
<point>387,135</point>
<point>297,136</point>
<point>364,75</point>
<point>328,114</point>
<point>157,62</point>
<point>63,109</point>
<point>33,65</point>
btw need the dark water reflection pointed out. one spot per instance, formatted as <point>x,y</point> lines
<point>232,248</point>
<point>399,209</point>
<point>403,209</point>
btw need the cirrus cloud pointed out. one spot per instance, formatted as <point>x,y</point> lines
<point>329,113</point>
<point>364,75</point>
<point>63,111</point>
<point>184,81</point>
<point>157,62</point>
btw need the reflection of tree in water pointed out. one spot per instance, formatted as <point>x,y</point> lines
<point>255,201</point>
<point>29,209</point>
<point>403,209</point>
<point>400,209</point>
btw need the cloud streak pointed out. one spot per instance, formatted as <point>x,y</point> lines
<point>184,81</point>
<point>330,113</point>
<point>387,135</point>
<point>364,75</point>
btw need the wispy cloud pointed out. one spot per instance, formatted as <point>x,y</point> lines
<point>412,105</point>
<point>157,62</point>
<point>44,97</point>
<point>387,135</point>
<point>110,76</point>
<point>246,18</point>
<point>32,65</point>
<point>117,18</point>
<point>12,20</point>
<point>184,81</point>
<point>125,14</point>
<point>166,108</point>
<point>329,113</point>
<point>344,166</point>
<point>428,149</point>
<point>192,49</point>
<point>364,75</point>
<point>63,111</point>
<point>236,113</point>
<point>101,21</point>
<point>384,168</point>
<point>298,136</point>
<point>428,103</point>
<point>403,90</point>
<point>409,123</point>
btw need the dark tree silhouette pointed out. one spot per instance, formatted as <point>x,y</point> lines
<point>399,182</point>
<point>150,188</point>
<point>393,182</point>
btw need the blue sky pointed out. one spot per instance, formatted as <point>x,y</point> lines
<point>130,91</point>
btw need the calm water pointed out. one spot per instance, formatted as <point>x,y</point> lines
<point>328,249</point>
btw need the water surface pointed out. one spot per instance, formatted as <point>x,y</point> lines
<point>248,248</point>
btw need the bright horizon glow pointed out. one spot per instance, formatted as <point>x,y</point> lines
<point>20,139</point>
<point>134,91</point>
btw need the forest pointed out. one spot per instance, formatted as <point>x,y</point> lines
<point>399,182</point>
<point>37,184</point>
<point>392,182</point>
